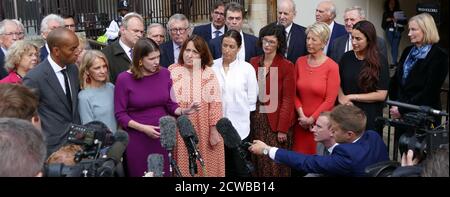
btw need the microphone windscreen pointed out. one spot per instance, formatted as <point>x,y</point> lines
<point>186,128</point>
<point>168,127</point>
<point>121,136</point>
<point>118,148</point>
<point>155,164</point>
<point>230,136</point>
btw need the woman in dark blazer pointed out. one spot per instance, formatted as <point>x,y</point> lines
<point>274,115</point>
<point>421,70</point>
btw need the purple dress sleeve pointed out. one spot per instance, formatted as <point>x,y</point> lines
<point>121,100</point>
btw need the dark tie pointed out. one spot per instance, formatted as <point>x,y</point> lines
<point>66,83</point>
<point>131,54</point>
<point>217,33</point>
<point>326,152</point>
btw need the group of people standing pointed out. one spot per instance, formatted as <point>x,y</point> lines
<point>273,88</point>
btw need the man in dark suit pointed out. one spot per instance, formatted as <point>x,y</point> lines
<point>344,43</point>
<point>10,32</point>
<point>326,12</point>
<point>56,82</point>
<point>179,31</point>
<point>217,26</point>
<point>48,24</point>
<point>120,52</point>
<point>234,19</point>
<point>295,34</point>
<point>357,148</point>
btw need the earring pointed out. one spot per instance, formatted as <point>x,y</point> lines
<point>140,63</point>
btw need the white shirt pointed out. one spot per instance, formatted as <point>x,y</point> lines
<point>46,47</point>
<point>288,38</point>
<point>239,90</point>
<point>241,53</point>
<point>331,26</point>
<point>126,49</point>
<point>4,51</point>
<point>176,52</point>
<point>348,44</point>
<point>213,29</point>
<point>57,69</point>
<point>112,32</point>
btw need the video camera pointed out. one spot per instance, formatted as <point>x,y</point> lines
<point>93,137</point>
<point>421,134</point>
<point>101,154</point>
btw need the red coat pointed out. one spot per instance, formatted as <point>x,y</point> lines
<point>284,116</point>
<point>12,78</point>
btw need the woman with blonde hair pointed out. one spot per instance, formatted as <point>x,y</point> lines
<point>96,99</point>
<point>22,57</point>
<point>317,83</point>
<point>421,71</point>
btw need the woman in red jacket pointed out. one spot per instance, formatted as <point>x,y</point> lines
<point>274,115</point>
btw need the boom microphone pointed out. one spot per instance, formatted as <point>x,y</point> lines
<point>114,154</point>
<point>190,139</point>
<point>425,109</point>
<point>232,140</point>
<point>230,136</point>
<point>155,165</point>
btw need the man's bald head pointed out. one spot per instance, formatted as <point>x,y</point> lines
<point>63,45</point>
<point>59,36</point>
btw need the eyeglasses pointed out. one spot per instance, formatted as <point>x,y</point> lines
<point>181,30</point>
<point>269,42</point>
<point>18,34</point>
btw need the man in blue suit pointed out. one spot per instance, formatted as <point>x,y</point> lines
<point>48,24</point>
<point>217,26</point>
<point>343,44</point>
<point>234,19</point>
<point>357,148</point>
<point>179,30</point>
<point>295,34</point>
<point>326,12</point>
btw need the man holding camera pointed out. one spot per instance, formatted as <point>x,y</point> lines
<point>357,148</point>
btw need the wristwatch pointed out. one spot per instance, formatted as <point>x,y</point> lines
<point>266,151</point>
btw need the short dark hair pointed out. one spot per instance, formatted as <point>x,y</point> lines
<point>17,101</point>
<point>22,148</point>
<point>142,48</point>
<point>436,164</point>
<point>274,30</point>
<point>203,49</point>
<point>217,4</point>
<point>235,35</point>
<point>234,7</point>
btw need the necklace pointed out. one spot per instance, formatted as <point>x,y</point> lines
<point>358,57</point>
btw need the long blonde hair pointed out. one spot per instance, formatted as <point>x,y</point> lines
<point>86,63</point>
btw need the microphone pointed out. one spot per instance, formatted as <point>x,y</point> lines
<point>114,154</point>
<point>425,109</point>
<point>190,139</point>
<point>155,165</point>
<point>232,140</point>
<point>168,127</point>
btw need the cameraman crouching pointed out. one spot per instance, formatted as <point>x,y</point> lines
<point>357,148</point>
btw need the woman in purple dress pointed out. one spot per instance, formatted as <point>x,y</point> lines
<point>141,97</point>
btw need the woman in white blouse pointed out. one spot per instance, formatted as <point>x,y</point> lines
<point>239,90</point>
